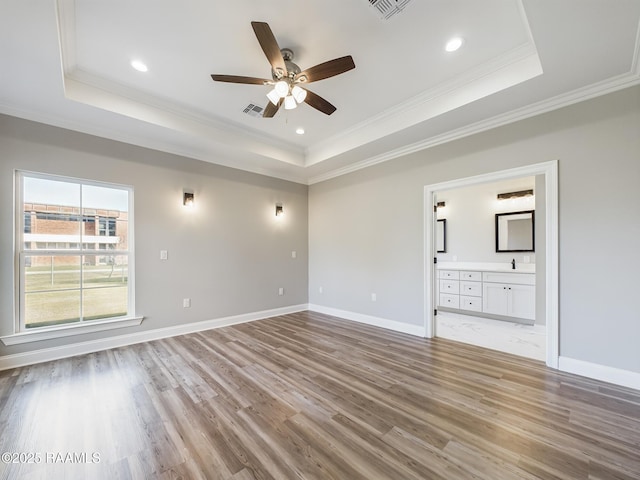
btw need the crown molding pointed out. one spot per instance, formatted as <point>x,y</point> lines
<point>166,147</point>
<point>511,68</point>
<point>90,90</point>
<point>576,96</point>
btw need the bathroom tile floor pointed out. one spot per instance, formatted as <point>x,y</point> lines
<point>524,340</point>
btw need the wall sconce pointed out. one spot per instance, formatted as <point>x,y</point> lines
<point>188,199</point>
<point>279,210</point>
<point>521,193</point>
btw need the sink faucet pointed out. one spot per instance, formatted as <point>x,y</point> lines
<point>513,264</point>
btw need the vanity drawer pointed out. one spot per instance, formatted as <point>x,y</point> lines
<point>451,301</point>
<point>472,289</point>
<point>449,274</point>
<point>471,303</point>
<point>473,276</point>
<point>450,286</point>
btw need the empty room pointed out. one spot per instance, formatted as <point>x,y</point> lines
<point>362,239</point>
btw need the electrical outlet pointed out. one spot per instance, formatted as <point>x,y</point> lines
<point>320,290</point>
<point>186,302</point>
<point>374,297</point>
<point>281,291</point>
<point>164,255</point>
<point>294,254</point>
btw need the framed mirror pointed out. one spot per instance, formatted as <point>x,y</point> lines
<point>441,236</point>
<point>515,231</point>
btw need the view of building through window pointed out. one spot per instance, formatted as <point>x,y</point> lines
<point>75,251</point>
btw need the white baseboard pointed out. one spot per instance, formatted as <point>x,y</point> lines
<point>417,330</point>
<point>65,351</point>
<point>625,378</point>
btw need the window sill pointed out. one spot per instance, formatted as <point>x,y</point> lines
<point>69,330</point>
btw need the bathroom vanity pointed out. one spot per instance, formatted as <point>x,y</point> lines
<point>492,291</point>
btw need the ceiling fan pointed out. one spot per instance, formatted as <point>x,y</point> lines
<point>286,76</point>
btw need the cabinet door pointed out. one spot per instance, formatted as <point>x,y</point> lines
<point>495,298</point>
<point>523,301</point>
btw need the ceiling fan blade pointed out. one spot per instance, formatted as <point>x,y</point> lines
<point>269,46</point>
<point>327,69</point>
<point>319,103</point>
<point>270,110</point>
<point>240,79</point>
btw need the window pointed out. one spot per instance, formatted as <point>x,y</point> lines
<point>107,227</point>
<point>65,274</point>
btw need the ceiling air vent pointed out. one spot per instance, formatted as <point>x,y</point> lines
<point>254,110</point>
<point>388,8</point>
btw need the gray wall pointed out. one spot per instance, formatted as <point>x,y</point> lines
<point>366,228</point>
<point>229,255</point>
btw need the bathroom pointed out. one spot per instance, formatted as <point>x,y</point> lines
<point>489,284</point>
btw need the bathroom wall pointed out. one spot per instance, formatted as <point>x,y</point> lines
<point>470,214</point>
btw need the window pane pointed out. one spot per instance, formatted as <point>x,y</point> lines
<point>101,271</point>
<point>49,272</point>
<point>51,308</point>
<point>105,302</point>
<point>53,211</point>
<point>105,198</point>
<point>105,283</point>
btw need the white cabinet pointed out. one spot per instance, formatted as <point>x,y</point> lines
<point>495,293</point>
<point>460,290</point>
<point>509,294</point>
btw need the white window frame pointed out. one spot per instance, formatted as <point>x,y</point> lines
<point>21,333</point>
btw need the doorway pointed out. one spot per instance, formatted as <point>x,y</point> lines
<point>546,271</point>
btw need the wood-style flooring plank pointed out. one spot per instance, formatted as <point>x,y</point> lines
<point>310,396</point>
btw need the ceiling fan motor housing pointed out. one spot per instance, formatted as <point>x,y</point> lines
<point>292,68</point>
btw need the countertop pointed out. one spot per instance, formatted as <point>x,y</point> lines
<point>487,267</point>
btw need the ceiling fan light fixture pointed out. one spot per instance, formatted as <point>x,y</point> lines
<point>299,94</point>
<point>273,97</point>
<point>282,88</point>
<point>289,102</point>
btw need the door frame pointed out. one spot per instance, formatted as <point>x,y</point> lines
<point>550,171</point>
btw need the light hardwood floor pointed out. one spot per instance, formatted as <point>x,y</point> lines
<point>314,397</point>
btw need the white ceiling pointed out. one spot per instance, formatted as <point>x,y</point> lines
<point>67,63</point>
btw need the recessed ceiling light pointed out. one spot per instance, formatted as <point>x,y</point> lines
<point>300,131</point>
<point>139,66</point>
<point>454,44</point>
